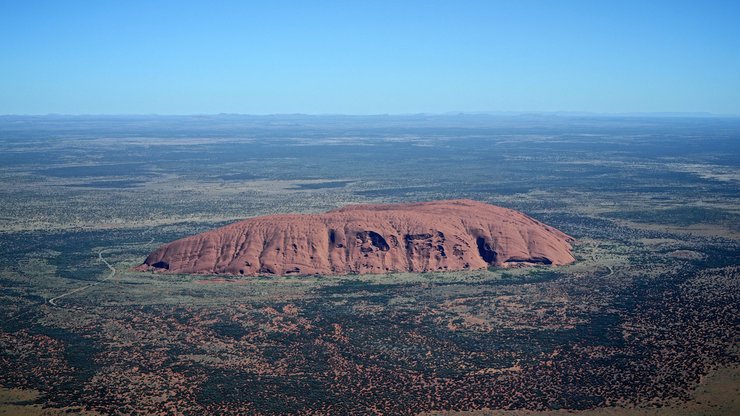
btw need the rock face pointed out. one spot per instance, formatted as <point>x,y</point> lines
<point>426,236</point>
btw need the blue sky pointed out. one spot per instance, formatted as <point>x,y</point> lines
<point>369,57</point>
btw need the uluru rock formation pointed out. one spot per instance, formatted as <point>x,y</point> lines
<point>417,237</point>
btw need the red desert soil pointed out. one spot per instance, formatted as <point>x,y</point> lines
<point>425,236</point>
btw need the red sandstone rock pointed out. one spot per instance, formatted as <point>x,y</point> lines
<point>426,236</point>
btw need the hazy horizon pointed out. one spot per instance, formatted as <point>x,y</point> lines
<point>563,113</point>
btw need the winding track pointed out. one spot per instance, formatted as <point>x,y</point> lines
<point>113,271</point>
<point>593,258</point>
<point>53,301</point>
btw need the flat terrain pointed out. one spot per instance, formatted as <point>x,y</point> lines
<point>645,322</point>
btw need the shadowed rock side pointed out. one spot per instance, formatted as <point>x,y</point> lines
<point>427,236</point>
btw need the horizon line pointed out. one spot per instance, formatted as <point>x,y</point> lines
<point>666,114</point>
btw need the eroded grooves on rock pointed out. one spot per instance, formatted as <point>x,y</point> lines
<point>426,236</point>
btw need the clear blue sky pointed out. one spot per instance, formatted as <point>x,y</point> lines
<point>367,57</point>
